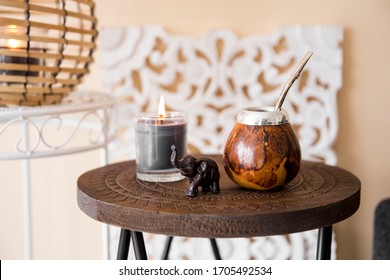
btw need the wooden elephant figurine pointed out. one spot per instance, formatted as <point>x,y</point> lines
<point>202,172</point>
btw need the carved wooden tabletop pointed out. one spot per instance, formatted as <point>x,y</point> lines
<point>319,196</point>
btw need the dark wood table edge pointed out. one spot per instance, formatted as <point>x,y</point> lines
<point>96,210</point>
<point>324,231</point>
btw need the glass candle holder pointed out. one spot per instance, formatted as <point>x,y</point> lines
<point>13,59</point>
<point>154,137</point>
<point>15,45</point>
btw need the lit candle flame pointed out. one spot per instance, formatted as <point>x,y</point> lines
<point>13,43</point>
<point>161,108</point>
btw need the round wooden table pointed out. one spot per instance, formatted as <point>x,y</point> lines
<point>317,198</point>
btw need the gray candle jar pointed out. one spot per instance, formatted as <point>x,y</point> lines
<point>154,137</point>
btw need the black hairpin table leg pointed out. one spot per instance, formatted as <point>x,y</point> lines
<point>124,243</point>
<point>168,243</point>
<point>324,243</point>
<point>167,248</point>
<point>215,249</point>
<point>139,245</point>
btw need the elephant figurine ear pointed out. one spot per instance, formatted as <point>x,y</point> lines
<point>201,167</point>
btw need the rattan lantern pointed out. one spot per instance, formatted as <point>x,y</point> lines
<point>46,48</point>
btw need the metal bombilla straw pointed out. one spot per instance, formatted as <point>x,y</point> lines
<point>292,79</point>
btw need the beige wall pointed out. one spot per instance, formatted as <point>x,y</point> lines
<point>361,146</point>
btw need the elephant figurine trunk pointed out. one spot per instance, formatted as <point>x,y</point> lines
<point>174,156</point>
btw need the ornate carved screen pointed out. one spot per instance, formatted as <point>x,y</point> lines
<point>212,78</point>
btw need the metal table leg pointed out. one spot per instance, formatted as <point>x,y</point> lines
<point>168,243</point>
<point>139,245</point>
<point>124,243</point>
<point>167,248</point>
<point>324,243</point>
<point>217,255</point>
<point>27,195</point>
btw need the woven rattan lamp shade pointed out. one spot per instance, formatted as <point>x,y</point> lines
<point>46,47</point>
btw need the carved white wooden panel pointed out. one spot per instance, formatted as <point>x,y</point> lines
<point>212,78</point>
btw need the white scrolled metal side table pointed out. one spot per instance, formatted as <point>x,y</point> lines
<point>41,134</point>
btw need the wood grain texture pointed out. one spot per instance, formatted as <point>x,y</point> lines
<point>262,157</point>
<point>319,196</point>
